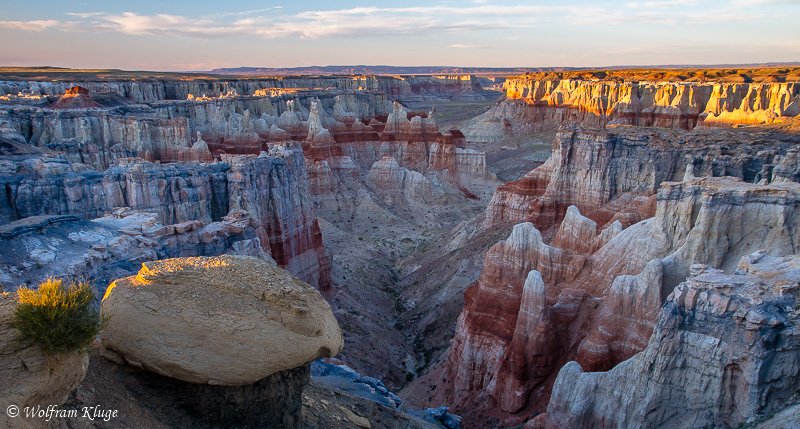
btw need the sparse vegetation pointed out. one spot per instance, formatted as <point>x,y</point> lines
<point>57,317</point>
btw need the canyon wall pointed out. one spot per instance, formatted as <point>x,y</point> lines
<point>613,174</point>
<point>605,303</point>
<point>534,105</point>
<point>187,130</point>
<point>76,155</point>
<point>609,236</point>
<point>272,188</point>
<point>401,88</point>
<point>734,335</point>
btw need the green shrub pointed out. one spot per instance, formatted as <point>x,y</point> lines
<point>57,318</point>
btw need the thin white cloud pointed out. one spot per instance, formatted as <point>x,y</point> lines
<point>460,46</point>
<point>273,23</point>
<point>748,3</point>
<point>36,25</point>
<point>665,4</point>
<point>246,12</point>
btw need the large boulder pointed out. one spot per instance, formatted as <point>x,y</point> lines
<point>28,377</point>
<point>226,320</point>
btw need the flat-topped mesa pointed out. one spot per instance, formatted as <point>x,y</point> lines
<point>602,296</point>
<point>735,335</point>
<point>613,174</point>
<point>534,105</point>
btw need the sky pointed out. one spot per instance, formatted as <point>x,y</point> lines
<point>203,35</point>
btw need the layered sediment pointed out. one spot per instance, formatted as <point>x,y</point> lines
<point>733,334</point>
<point>533,105</point>
<point>401,88</point>
<point>602,292</point>
<point>271,189</point>
<point>613,174</point>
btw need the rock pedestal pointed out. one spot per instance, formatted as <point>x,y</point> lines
<point>231,336</point>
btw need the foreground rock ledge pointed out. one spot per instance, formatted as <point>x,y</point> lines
<point>28,377</point>
<point>226,320</point>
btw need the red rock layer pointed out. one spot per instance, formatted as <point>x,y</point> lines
<point>411,140</point>
<point>285,212</point>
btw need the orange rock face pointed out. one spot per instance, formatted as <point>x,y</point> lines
<point>664,104</point>
<point>76,97</point>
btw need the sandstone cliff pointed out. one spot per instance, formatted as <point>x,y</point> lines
<point>533,105</point>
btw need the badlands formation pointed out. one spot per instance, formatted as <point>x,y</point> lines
<point>644,274</point>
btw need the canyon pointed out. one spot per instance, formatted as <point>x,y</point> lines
<point>660,221</point>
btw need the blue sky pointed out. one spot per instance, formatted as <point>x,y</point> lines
<point>201,35</point>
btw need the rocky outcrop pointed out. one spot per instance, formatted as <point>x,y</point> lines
<point>787,168</point>
<point>397,186</point>
<point>345,379</point>
<point>490,323</point>
<point>183,322</point>
<point>76,97</point>
<point>115,245</point>
<point>576,233</point>
<point>534,105</point>
<point>29,379</point>
<point>165,131</point>
<point>734,335</point>
<point>605,303</point>
<point>194,316</point>
<point>271,188</point>
<point>612,174</point>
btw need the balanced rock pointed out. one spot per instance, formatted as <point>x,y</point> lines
<point>226,320</point>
